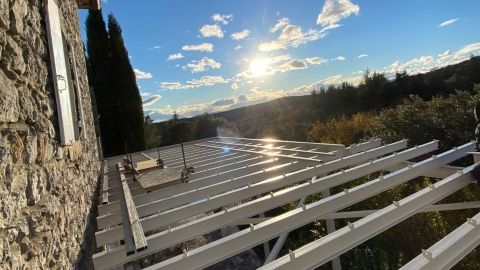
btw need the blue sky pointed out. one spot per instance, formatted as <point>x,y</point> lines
<point>196,56</point>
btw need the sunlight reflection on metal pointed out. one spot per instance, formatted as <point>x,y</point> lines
<point>225,150</point>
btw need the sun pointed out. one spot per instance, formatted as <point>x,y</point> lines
<point>259,66</point>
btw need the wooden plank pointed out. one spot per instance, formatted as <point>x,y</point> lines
<point>147,164</point>
<point>159,178</point>
<point>133,233</point>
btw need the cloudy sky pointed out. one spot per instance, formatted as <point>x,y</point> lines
<point>194,56</point>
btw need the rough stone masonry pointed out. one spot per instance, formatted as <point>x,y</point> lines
<point>46,189</point>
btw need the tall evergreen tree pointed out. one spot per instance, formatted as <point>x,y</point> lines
<point>123,81</point>
<point>98,59</point>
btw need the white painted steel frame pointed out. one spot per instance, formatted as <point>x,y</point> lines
<point>450,250</point>
<point>225,247</point>
<point>203,225</point>
<point>175,215</point>
<point>230,245</point>
<point>364,213</point>
<point>321,251</point>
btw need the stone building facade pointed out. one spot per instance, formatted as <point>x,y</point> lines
<point>46,187</point>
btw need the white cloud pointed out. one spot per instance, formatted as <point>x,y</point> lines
<point>240,35</point>
<point>448,22</point>
<point>270,66</point>
<point>238,47</point>
<point>271,46</point>
<point>340,58</point>
<point>292,65</point>
<point>336,79</point>
<point>426,63</point>
<point>225,19</point>
<point>144,94</point>
<point>195,83</point>
<point>280,25</point>
<point>290,36</point>
<point>175,56</point>
<point>293,36</point>
<point>156,47</point>
<point>335,10</point>
<point>362,55</point>
<point>223,102</point>
<point>151,100</point>
<point>204,64</point>
<point>204,47</point>
<point>468,49</point>
<point>211,30</point>
<point>142,74</point>
<point>315,60</point>
<point>234,86</point>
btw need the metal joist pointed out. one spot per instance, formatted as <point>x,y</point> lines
<point>216,177</point>
<point>248,238</point>
<point>206,224</point>
<point>234,182</point>
<point>272,154</point>
<point>170,217</point>
<point>450,250</point>
<point>324,146</point>
<point>324,249</point>
<point>271,147</point>
<point>132,229</point>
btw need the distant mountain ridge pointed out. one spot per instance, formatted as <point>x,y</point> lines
<point>291,117</point>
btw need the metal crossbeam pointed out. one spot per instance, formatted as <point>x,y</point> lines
<point>246,181</point>
<point>209,191</point>
<point>271,147</point>
<point>235,243</point>
<point>133,233</point>
<point>320,251</point>
<point>324,146</point>
<point>272,154</point>
<point>364,213</point>
<point>447,252</point>
<point>202,225</point>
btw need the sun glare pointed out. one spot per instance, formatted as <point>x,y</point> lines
<point>259,67</point>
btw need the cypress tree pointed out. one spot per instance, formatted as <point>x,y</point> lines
<point>130,122</point>
<point>98,60</point>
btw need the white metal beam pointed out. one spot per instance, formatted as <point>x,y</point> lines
<point>208,223</point>
<point>447,252</point>
<point>267,147</point>
<point>364,213</point>
<point>272,154</point>
<point>237,181</point>
<point>281,239</point>
<point>235,243</point>
<point>323,146</point>
<point>170,217</point>
<point>204,179</point>
<point>322,250</point>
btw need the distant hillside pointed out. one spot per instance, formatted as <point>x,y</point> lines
<point>291,117</point>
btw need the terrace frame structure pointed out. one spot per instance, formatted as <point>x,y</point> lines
<point>237,180</point>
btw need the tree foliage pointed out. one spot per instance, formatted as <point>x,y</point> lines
<point>116,93</point>
<point>289,118</point>
<point>345,130</point>
<point>130,118</point>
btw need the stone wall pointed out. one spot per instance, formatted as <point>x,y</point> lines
<point>46,190</point>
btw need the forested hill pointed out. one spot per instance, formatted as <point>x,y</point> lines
<point>290,117</point>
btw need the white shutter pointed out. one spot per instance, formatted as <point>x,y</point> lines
<point>59,71</point>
